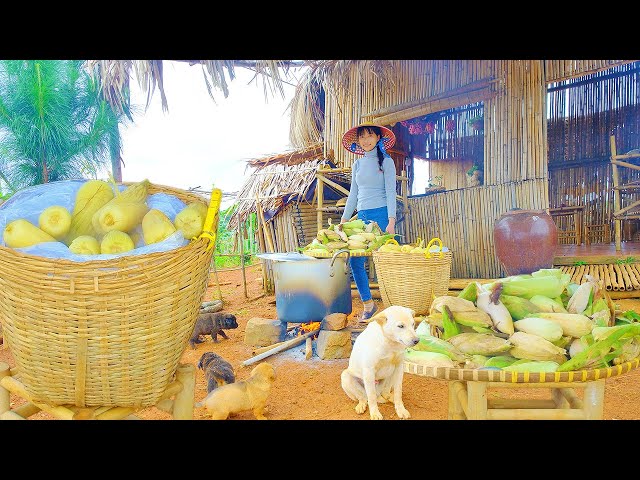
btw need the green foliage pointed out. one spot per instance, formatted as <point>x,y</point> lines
<point>54,125</point>
<point>622,261</point>
<point>226,241</point>
<point>578,263</point>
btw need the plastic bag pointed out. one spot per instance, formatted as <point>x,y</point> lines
<point>30,202</point>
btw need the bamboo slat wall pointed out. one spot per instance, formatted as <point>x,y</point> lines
<point>464,220</point>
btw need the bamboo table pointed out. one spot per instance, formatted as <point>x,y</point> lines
<point>469,400</point>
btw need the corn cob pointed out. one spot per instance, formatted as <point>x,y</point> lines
<point>90,197</point>
<point>455,304</point>
<point>533,347</point>
<point>489,302</point>
<point>546,304</point>
<point>573,324</point>
<point>123,216</point>
<point>428,359</point>
<point>480,344</point>
<point>136,192</point>
<point>434,344</point>
<point>580,299</point>
<point>541,327</point>
<point>527,286</point>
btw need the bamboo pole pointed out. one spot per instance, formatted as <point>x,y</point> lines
<point>241,232</point>
<point>17,388</point>
<point>284,346</point>
<point>5,403</point>
<point>616,192</point>
<point>184,400</point>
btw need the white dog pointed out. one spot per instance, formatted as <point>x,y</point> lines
<point>376,361</point>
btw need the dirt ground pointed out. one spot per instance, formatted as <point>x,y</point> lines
<point>310,389</point>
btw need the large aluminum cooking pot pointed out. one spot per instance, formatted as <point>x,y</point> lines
<point>307,289</point>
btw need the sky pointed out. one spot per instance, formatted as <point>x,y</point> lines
<point>199,142</point>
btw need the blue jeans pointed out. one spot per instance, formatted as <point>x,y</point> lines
<point>381,217</point>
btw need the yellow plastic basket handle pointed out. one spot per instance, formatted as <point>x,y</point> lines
<point>427,253</point>
<point>391,240</point>
<point>210,227</point>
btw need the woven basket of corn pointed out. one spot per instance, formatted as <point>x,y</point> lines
<point>412,280</point>
<point>102,332</point>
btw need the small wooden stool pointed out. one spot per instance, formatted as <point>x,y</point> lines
<point>182,389</point>
<point>469,401</point>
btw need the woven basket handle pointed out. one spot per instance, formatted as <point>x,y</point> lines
<point>427,254</point>
<point>210,227</point>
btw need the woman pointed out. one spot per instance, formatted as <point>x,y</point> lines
<point>372,193</point>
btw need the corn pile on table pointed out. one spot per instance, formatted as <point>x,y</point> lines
<point>469,397</point>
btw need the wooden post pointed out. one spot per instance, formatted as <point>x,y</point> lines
<point>185,399</point>
<point>320,195</point>
<point>594,400</point>
<point>5,403</point>
<point>455,412</point>
<point>616,192</point>
<point>477,400</point>
<point>241,231</point>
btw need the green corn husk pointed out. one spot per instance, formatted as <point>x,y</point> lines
<point>527,286</point>
<point>600,333</point>
<point>533,366</point>
<point>450,326</point>
<point>428,359</point>
<point>424,328</point>
<point>476,318</point>
<point>630,350</point>
<point>597,351</point>
<point>546,304</point>
<point>470,292</point>
<point>533,347</point>
<point>434,344</point>
<point>601,314</point>
<point>354,224</point>
<point>546,272</point>
<point>476,361</point>
<point>564,341</point>
<point>335,245</point>
<point>579,301</point>
<point>480,344</point>
<point>573,324</point>
<point>500,361</point>
<point>571,289</point>
<point>379,241</point>
<point>482,330</point>
<point>455,304</point>
<point>542,327</point>
<point>518,307</point>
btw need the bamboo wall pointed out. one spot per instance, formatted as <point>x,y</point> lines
<point>558,70</point>
<point>463,219</point>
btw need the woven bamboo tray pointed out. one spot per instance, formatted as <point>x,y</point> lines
<point>476,375</point>
<point>104,332</point>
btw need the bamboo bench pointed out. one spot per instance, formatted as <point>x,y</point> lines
<point>469,399</point>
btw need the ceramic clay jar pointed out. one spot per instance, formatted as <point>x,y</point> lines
<point>525,240</point>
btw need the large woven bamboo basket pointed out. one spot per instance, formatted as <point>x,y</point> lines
<point>104,332</point>
<point>412,280</point>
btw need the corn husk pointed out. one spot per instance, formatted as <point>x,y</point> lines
<point>480,343</point>
<point>546,272</point>
<point>563,342</point>
<point>500,361</point>
<point>580,299</point>
<point>434,344</point>
<point>448,323</point>
<point>533,347</point>
<point>527,286</point>
<point>630,350</point>
<point>573,324</point>
<point>475,318</point>
<point>489,302</point>
<point>546,304</point>
<point>518,307</point>
<point>597,351</point>
<point>455,304</point>
<point>533,366</point>
<point>470,292</point>
<point>429,359</point>
<point>541,327</point>
<point>600,333</point>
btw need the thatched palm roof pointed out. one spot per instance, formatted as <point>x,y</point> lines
<point>307,107</point>
<point>276,180</point>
